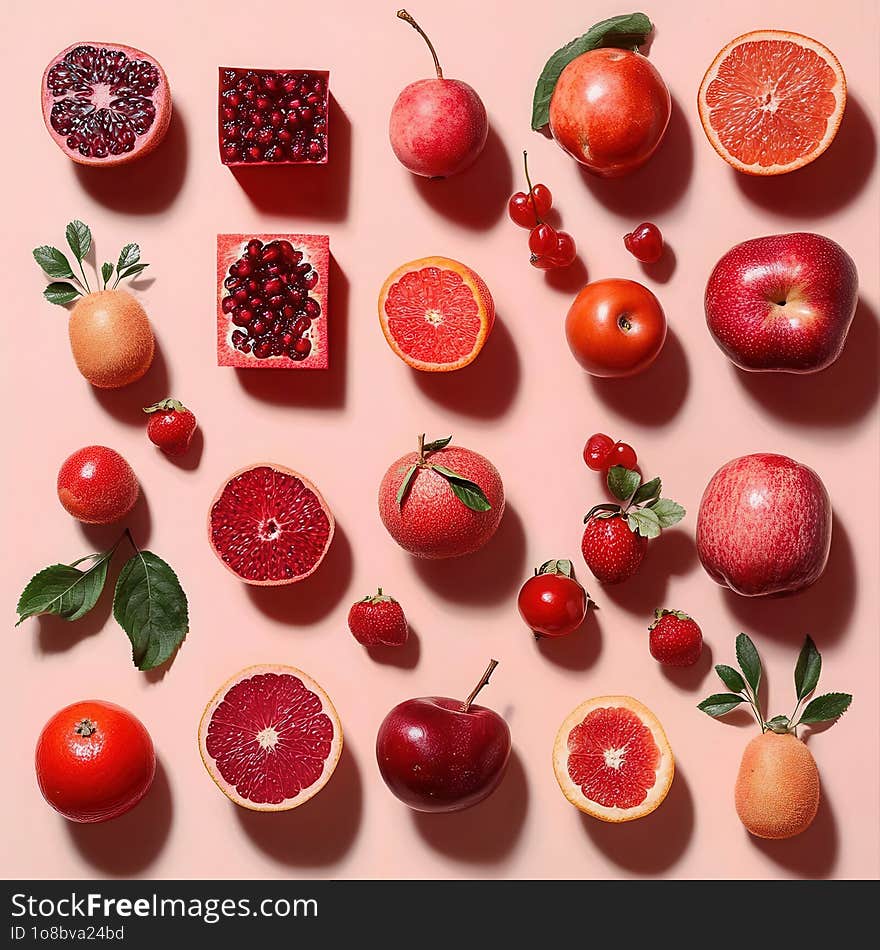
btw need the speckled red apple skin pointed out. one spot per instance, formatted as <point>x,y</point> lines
<point>764,525</point>
<point>97,486</point>
<point>609,110</point>
<point>432,522</point>
<point>815,277</point>
<point>611,550</point>
<point>438,127</point>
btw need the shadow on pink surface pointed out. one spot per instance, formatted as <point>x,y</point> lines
<point>484,389</point>
<point>129,844</point>
<point>318,833</point>
<point>311,599</point>
<point>405,657</point>
<point>839,395</point>
<point>489,575</point>
<point>654,396</point>
<point>127,404</point>
<point>659,184</point>
<point>568,280</point>
<point>477,197</point>
<point>102,537</point>
<point>690,677</point>
<point>319,388</point>
<point>55,635</point>
<point>811,854</point>
<point>822,610</point>
<point>653,844</point>
<point>485,833</point>
<point>662,270</point>
<point>827,184</point>
<point>148,185</point>
<point>579,650</point>
<point>313,191</point>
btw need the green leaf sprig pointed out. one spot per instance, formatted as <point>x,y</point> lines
<point>629,31</point>
<point>468,492</point>
<point>148,602</point>
<point>744,689</point>
<point>646,513</point>
<point>55,264</point>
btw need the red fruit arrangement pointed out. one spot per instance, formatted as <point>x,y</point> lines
<point>378,620</point>
<point>170,426</point>
<point>553,603</point>
<point>616,536</point>
<point>551,249</point>
<point>675,638</point>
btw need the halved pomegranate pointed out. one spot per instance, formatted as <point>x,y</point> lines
<point>273,117</point>
<point>105,103</point>
<point>272,301</point>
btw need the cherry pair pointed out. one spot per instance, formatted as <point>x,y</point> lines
<point>601,452</point>
<point>550,249</point>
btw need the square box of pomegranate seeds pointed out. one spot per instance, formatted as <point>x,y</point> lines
<point>272,292</point>
<point>274,116</point>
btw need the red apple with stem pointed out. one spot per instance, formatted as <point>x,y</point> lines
<point>439,755</point>
<point>438,126</point>
<point>764,525</point>
<point>783,303</point>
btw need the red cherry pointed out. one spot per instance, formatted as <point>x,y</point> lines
<point>645,243</point>
<point>566,251</point>
<point>522,207</point>
<point>543,240</point>
<point>622,454</point>
<point>597,451</point>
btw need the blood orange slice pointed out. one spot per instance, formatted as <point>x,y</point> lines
<point>612,759</point>
<point>772,101</point>
<point>270,738</point>
<point>436,314</point>
<point>269,525</point>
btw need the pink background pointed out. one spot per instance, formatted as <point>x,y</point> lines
<point>524,404</point>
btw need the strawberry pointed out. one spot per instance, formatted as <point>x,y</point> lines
<point>616,535</point>
<point>378,620</point>
<point>171,426</point>
<point>675,638</point>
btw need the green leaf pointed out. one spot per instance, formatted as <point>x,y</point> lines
<point>720,703</point>
<point>79,239</point>
<point>64,590</point>
<point>826,707</point>
<point>150,606</point>
<point>60,292</point>
<point>626,32</point>
<point>437,444</point>
<point>731,679</point>
<point>808,668</point>
<point>129,255</point>
<point>404,485</point>
<point>669,512</point>
<point>106,272</point>
<point>466,491</point>
<point>623,482</point>
<point>749,661</point>
<point>643,521</point>
<point>53,262</point>
<point>779,724</point>
<point>556,567</point>
<point>132,271</point>
<point>647,492</point>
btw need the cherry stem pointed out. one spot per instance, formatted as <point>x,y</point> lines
<point>529,183</point>
<point>466,705</point>
<point>405,16</point>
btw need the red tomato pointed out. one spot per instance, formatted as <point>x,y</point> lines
<point>94,761</point>
<point>552,604</point>
<point>615,327</point>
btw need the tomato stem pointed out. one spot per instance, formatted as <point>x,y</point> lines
<point>466,705</point>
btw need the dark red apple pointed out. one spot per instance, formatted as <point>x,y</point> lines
<point>764,525</point>
<point>439,755</point>
<point>609,110</point>
<point>438,126</point>
<point>783,303</point>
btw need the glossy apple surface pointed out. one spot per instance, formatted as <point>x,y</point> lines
<point>436,757</point>
<point>609,110</point>
<point>783,303</point>
<point>764,525</point>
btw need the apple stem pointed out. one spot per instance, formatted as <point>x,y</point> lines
<point>405,16</point>
<point>529,183</point>
<point>466,705</point>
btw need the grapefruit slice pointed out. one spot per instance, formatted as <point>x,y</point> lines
<point>772,101</point>
<point>612,759</point>
<point>269,525</point>
<point>270,738</point>
<point>436,314</point>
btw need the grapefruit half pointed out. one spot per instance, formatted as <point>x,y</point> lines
<point>612,759</point>
<point>436,314</point>
<point>270,738</point>
<point>772,101</point>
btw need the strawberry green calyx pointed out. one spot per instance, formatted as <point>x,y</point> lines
<point>166,405</point>
<point>466,491</point>
<point>662,612</point>
<point>644,510</point>
<point>378,598</point>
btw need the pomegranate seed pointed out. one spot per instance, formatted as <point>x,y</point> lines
<point>310,281</point>
<point>227,304</point>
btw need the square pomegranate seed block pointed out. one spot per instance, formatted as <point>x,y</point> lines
<point>272,301</point>
<point>273,116</point>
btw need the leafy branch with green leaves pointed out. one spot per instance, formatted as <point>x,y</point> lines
<point>645,511</point>
<point>744,689</point>
<point>56,265</point>
<point>468,492</point>
<point>148,601</point>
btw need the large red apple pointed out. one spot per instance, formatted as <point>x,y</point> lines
<point>764,525</point>
<point>609,110</point>
<point>783,302</point>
